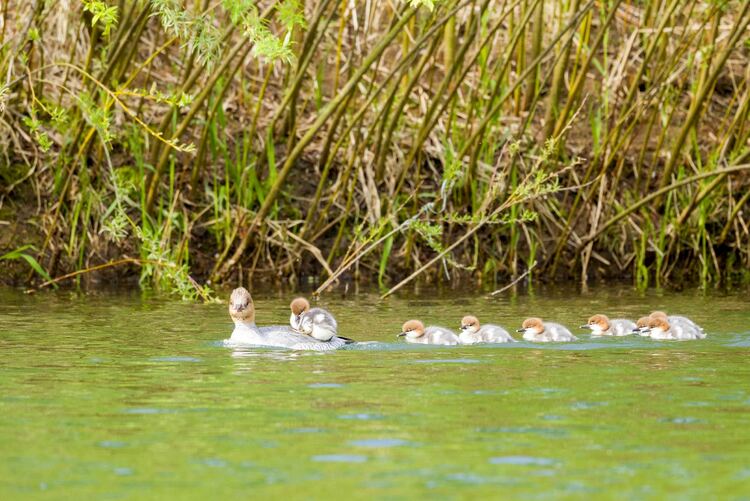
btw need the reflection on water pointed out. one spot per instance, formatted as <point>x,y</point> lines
<point>104,396</point>
<point>266,353</point>
<point>340,458</point>
<point>380,442</point>
<point>523,460</point>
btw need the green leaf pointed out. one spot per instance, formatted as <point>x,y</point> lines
<point>384,259</point>
<point>430,4</point>
<point>291,14</point>
<point>36,266</point>
<point>19,254</point>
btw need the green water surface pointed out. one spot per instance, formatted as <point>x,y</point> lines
<point>107,396</point>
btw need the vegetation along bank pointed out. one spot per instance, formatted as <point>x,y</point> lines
<point>191,142</point>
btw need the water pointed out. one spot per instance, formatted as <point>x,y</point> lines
<point>115,396</point>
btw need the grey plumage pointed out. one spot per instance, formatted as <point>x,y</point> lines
<point>280,336</point>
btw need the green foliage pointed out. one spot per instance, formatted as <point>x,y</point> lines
<point>266,44</point>
<point>430,232</point>
<point>178,99</point>
<point>40,136</point>
<point>387,246</point>
<point>59,116</point>
<point>97,117</point>
<point>173,18</point>
<point>20,253</point>
<point>205,40</point>
<point>452,172</point>
<point>101,13</point>
<point>33,34</point>
<point>291,14</point>
<point>197,31</point>
<point>161,268</point>
<point>430,4</point>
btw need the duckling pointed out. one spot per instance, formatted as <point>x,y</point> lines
<point>315,322</point>
<point>318,324</point>
<point>415,332</point>
<point>600,325</point>
<point>534,329</point>
<point>473,332</point>
<point>677,320</point>
<point>298,306</point>
<point>641,326</point>
<point>660,328</point>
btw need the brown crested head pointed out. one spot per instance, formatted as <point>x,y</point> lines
<point>299,305</point>
<point>241,305</point>
<point>658,314</point>
<point>533,323</point>
<point>642,322</point>
<point>601,320</point>
<point>413,327</point>
<point>658,323</point>
<point>470,322</point>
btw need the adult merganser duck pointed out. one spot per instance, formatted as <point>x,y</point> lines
<point>242,311</point>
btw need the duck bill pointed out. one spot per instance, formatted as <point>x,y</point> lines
<point>520,330</point>
<point>587,326</point>
<point>401,334</point>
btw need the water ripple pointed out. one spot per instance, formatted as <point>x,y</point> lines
<point>339,458</point>
<point>523,460</point>
<point>111,444</point>
<point>379,442</point>
<point>148,410</point>
<point>548,432</point>
<point>175,359</point>
<point>361,416</point>
<point>683,420</point>
<point>308,430</point>
<point>448,361</point>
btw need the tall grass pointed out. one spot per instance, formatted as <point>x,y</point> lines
<point>454,140</point>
